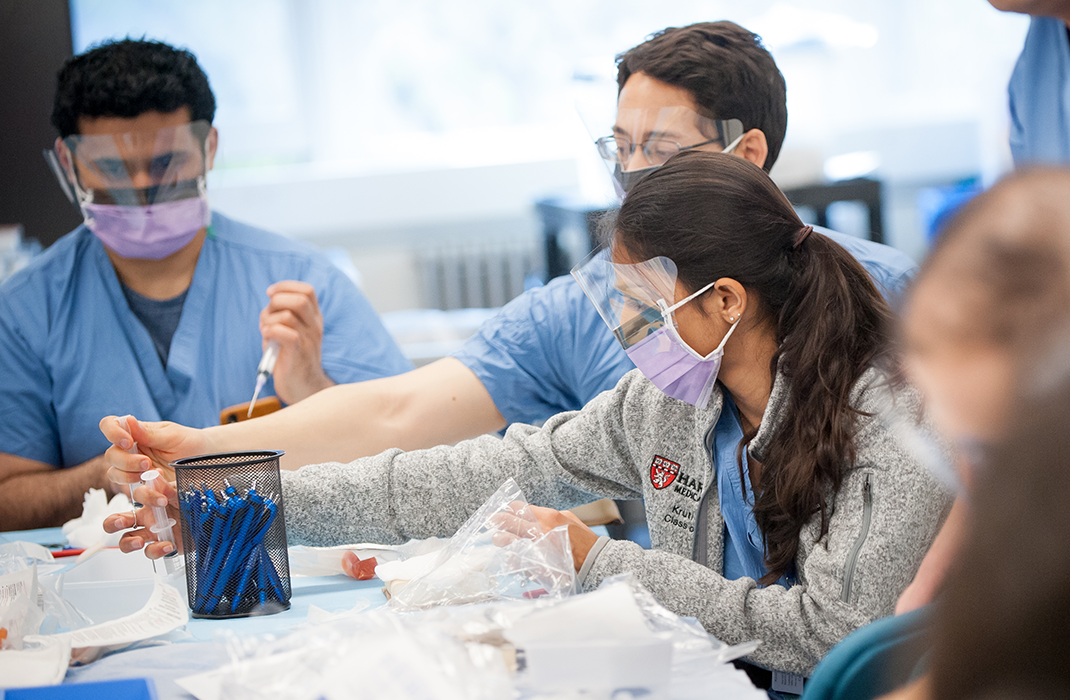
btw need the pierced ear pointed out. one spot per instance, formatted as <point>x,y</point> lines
<point>733,297</point>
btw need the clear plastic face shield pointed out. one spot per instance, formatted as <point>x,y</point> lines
<point>641,140</point>
<point>143,193</point>
<point>633,299</point>
<point>637,302</point>
<point>138,168</point>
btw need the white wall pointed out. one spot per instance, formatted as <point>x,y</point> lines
<point>384,219</point>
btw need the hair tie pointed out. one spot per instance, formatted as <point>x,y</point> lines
<point>803,233</point>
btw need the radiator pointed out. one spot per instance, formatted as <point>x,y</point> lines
<point>474,276</point>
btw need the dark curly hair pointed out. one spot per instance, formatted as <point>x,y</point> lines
<point>725,68</point>
<point>127,78</point>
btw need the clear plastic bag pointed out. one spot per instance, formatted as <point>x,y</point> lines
<point>27,605</point>
<point>467,652</point>
<point>377,655</point>
<point>500,553</point>
<point>19,614</point>
<point>689,637</point>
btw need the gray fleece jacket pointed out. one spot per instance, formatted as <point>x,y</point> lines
<point>635,442</point>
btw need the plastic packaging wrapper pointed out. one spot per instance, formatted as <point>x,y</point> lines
<point>19,614</point>
<point>88,529</point>
<point>42,660</point>
<point>327,561</point>
<point>374,656</point>
<point>29,605</point>
<point>500,553</point>
<point>484,651</point>
<point>29,610</point>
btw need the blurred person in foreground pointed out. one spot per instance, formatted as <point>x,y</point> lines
<point>1039,100</point>
<point>993,294</point>
<point>1002,622</point>
<point>156,305</point>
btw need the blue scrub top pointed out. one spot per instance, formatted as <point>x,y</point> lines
<point>72,352</point>
<point>1039,94</point>
<point>549,351</point>
<point>744,544</point>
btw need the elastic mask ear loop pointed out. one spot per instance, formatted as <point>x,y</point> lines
<point>719,350</point>
<point>732,146</point>
<point>731,329</point>
<point>666,310</point>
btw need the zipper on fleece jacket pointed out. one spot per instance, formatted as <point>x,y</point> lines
<point>701,547</point>
<point>852,557</point>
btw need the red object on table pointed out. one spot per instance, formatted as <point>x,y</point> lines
<point>67,553</point>
<point>366,568</point>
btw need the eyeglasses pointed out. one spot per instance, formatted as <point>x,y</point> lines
<point>656,151</point>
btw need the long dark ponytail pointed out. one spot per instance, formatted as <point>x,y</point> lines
<point>718,215</point>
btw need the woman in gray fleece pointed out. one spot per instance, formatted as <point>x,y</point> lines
<point>781,506</point>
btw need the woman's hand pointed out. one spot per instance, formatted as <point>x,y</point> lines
<point>580,536</point>
<point>525,521</point>
<point>142,519</point>
<point>158,444</point>
<point>532,521</point>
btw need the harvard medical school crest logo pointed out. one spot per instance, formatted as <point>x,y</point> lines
<point>663,472</point>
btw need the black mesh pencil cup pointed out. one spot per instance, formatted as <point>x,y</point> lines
<point>233,534</point>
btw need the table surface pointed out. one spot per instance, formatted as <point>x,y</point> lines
<point>202,649</point>
<point>332,593</point>
<point>203,644</point>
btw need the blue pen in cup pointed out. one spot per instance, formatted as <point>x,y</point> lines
<point>233,528</point>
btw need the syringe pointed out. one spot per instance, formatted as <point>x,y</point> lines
<point>124,424</point>
<point>264,370</point>
<point>164,525</point>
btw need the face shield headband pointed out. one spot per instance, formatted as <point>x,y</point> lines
<point>642,140</point>
<point>142,193</point>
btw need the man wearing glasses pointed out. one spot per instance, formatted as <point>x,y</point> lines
<point>156,306</point>
<point>710,86</point>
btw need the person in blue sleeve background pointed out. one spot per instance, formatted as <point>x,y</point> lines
<point>548,351</point>
<point>156,306</point>
<point>1039,89</point>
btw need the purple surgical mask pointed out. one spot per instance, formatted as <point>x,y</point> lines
<point>150,232</point>
<point>672,366</point>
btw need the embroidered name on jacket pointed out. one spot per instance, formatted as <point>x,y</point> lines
<point>689,487</point>
<point>663,472</point>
